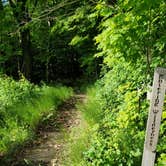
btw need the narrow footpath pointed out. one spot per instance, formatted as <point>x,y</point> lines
<point>48,147</point>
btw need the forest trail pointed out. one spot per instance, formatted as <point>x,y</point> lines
<point>48,148</point>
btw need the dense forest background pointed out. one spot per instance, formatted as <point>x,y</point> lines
<point>48,40</point>
<point>115,43</point>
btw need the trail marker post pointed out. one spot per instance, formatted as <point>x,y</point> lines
<point>154,117</point>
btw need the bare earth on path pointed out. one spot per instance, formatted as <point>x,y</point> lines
<point>47,149</point>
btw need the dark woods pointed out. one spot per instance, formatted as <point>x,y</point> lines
<point>35,41</point>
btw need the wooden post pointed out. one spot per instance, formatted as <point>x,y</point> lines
<point>154,117</point>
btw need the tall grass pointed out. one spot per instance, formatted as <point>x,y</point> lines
<point>91,108</point>
<point>19,120</point>
<point>79,140</point>
<point>77,143</point>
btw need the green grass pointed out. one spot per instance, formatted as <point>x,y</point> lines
<point>80,136</point>
<point>91,109</point>
<point>77,143</point>
<point>21,119</point>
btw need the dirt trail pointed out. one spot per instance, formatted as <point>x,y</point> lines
<point>47,149</point>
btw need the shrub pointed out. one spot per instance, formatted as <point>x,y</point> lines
<point>119,137</point>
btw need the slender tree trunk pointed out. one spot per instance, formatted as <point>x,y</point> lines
<point>21,14</point>
<point>26,51</point>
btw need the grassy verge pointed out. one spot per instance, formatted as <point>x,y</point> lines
<point>77,143</point>
<point>79,140</point>
<point>91,108</point>
<point>18,120</point>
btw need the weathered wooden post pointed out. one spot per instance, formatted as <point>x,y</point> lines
<point>154,117</point>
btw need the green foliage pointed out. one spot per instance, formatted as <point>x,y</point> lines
<point>130,35</point>
<point>9,47</point>
<point>23,105</point>
<point>77,143</point>
<point>91,109</point>
<point>134,32</point>
<point>121,124</point>
<point>79,139</point>
<point>119,137</point>
<point>13,92</point>
<point>129,44</point>
<point>80,27</point>
<point>52,27</point>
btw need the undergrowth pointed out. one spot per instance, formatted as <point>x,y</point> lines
<point>91,109</point>
<point>22,105</point>
<point>77,143</point>
<point>79,139</point>
<point>121,115</point>
<point>115,112</point>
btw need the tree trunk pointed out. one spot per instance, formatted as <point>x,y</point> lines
<point>20,11</point>
<point>26,51</point>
